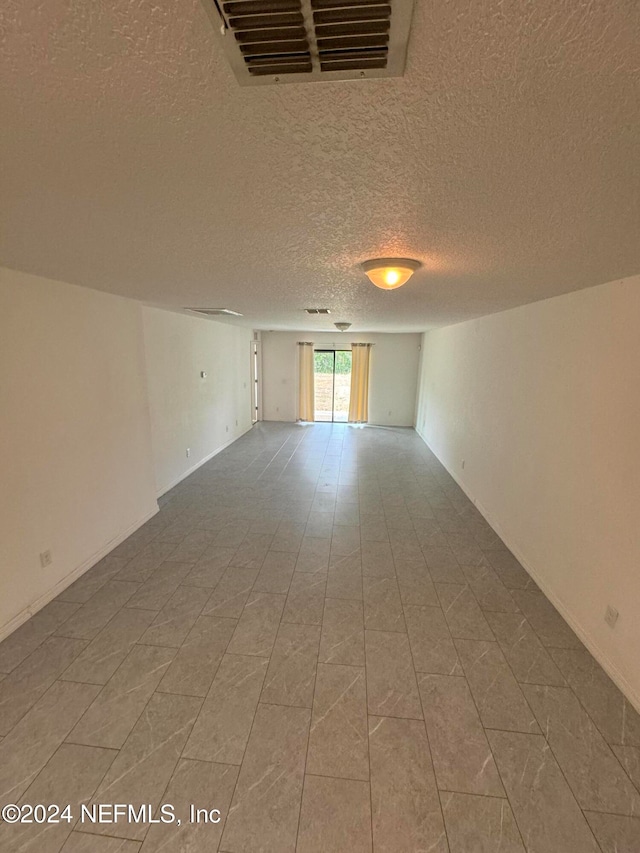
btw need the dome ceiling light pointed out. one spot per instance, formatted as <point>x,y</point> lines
<point>390,273</point>
<point>342,326</point>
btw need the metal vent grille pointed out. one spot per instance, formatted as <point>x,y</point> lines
<point>272,41</point>
<point>317,311</point>
<point>214,312</point>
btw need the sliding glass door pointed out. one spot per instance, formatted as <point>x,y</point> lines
<point>332,385</point>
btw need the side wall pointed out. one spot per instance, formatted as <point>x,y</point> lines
<point>543,405</point>
<point>75,456</point>
<point>187,411</point>
<point>393,376</point>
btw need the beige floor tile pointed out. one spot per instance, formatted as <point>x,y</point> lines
<point>205,786</point>
<point>192,670</point>
<point>22,688</point>
<point>615,833</point>
<point>222,729</point>
<point>305,600</point>
<point>382,605</point>
<point>91,617</point>
<point>30,744</point>
<point>256,631</point>
<point>230,596</point>
<point>498,697</point>
<point>276,572</point>
<point>404,799</point>
<point>609,709</point>
<point>71,777</point>
<point>462,612</point>
<point>102,657</point>
<point>265,808</point>
<point>177,617</point>
<point>335,816</point>
<point>432,647</point>
<point>392,690</point>
<point>338,739</point>
<point>291,675</point>
<point>548,816</point>
<point>342,638</point>
<point>116,709</point>
<point>143,767</point>
<point>530,662</point>
<point>452,720</point>
<point>593,772</point>
<point>481,824</point>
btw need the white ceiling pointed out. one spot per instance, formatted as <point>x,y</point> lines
<point>506,159</point>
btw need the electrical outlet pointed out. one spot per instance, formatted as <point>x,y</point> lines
<point>188,452</point>
<point>227,429</point>
<point>611,616</point>
<point>236,422</point>
<point>46,559</point>
<point>462,463</point>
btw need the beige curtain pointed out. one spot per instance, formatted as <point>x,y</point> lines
<point>359,399</point>
<point>305,381</point>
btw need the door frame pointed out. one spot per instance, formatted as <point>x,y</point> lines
<point>255,357</point>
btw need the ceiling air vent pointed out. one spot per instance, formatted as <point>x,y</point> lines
<point>215,312</point>
<point>317,311</point>
<point>277,41</point>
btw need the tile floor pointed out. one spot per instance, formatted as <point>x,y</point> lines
<point>319,636</point>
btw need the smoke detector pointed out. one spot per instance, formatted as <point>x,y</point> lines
<point>296,41</point>
<point>342,326</point>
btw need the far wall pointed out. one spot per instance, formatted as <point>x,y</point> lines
<point>393,373</point>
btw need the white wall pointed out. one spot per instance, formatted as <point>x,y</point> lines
<point>543,404</point>
<point>75,457</point>
<point>392,380</point>
<point>187,411</point>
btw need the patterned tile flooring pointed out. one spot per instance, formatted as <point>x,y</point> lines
<point>319,636</point>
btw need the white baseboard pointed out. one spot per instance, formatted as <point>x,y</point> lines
<point>603,659</point>
<point>199,464</point>
<point>10,626</point>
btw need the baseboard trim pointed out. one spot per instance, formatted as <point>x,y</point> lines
<point>194,468</point>
<point>40,602</point>
<point>618,678</point>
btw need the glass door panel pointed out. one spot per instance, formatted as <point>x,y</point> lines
<point>332,385</point>
<point>323,370</point>
<point>341,386</point>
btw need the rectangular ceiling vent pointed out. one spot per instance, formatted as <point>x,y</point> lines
<point>278,41</point>
<point>215,312</point>
<point>317,311</point>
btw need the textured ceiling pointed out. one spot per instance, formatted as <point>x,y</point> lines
<point>506,159</point>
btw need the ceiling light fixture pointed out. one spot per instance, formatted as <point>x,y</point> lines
<point>342,326</point>
<point>389,273</point>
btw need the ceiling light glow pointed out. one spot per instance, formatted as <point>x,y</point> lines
<point>390,273</point>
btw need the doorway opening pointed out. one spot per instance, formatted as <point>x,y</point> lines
<point>255,384</point>
<point>332,385</point>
